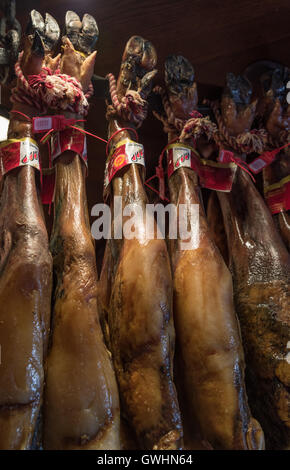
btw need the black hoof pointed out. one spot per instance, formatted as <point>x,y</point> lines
<point>239,89</point>
<point>47,29</point>
<point>179,74</point>
<point>37,45</point>
<point>51,32</point>
<point>82,34</point>
<point>276,81</point>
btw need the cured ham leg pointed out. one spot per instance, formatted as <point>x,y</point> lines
<point>81,396</point>
<point>260,266</point>
<point>140,307</point>
<point>272,175</point>
<point>210,354</point>
<point>215,222</point>
<point>276,117</point>
<point>25,282</point>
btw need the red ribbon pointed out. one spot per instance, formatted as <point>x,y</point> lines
<point>118,132</point>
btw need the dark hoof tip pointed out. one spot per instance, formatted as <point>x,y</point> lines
<point>37,46</point>
<point>179,73</point>
<point>239,89</point>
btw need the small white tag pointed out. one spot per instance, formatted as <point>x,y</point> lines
<point>257,165</point>
<point>181,157</point>
<point>135,153</point>
<point>29,154</point>
<point>42,124</point>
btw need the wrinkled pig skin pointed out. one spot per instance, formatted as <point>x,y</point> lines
<point>261,271</point>
<point>260,265</point>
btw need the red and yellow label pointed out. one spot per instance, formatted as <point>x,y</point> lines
<point>18,152</point>
<point>212,175</point>
<point>126,153</point>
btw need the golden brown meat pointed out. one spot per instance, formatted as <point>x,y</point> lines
<point>81,409</point>
<point>210,356</point>
<point>260,267</point>
<point>140,307</point>
<point>25,285</point>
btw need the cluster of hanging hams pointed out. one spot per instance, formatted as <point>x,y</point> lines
<point>168,348</point>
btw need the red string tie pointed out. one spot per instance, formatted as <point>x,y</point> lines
<point>195,114</point>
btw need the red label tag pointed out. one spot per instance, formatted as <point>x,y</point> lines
<point>212,175</point>
<point>257,165</point>
<point>225,156</point>
<point>15,153</point>
<point>69,139</point>
<point>278,196</point>
<point>126,153</point>
<point>55,122</point>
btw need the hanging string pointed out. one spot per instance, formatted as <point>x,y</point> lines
<point>22,114</point>
<point>131,108</point>
<point>253,141</point>
<point>131,129</point>
<point>191,128</point>
<point>159,173</point>
<point>50,89</point>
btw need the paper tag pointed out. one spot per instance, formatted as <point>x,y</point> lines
<point>177,157</point>
<point>69,139</point>
<point>57,122</point>
<point>18,152</point>
<point>212,175</point>
<point>41,124</point>
<point>126,153</point>
<point>278,196</point>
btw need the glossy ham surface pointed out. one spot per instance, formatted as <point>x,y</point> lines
<point>25,287</point>
<point>81,408</point>
<point>138,305</point>
<point>210,358</point>
<point>81,396</point>
<point>260,265</point>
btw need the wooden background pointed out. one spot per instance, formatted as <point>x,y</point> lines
<point>217,36</point>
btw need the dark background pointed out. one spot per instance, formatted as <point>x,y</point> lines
<point>217,36</point>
